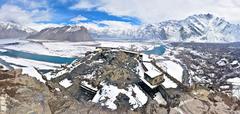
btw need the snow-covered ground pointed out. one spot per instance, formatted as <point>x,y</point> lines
<point>28,66</point>
<point>65,83</point>
<point>63,49</point>
<point>169,83</point>
<point>7,41</point>
<point>174,69</point>
<point>159,98</point>
<point>109,94</point>
<point>3,50</point>
<point>28,62</point>
<point>70,49</point>
<point>31,47</point>
<point>139,46</point>
<point>236,86</point>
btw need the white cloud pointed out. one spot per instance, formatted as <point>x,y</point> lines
<point>78,18</point>
<point>117,24</point>
<point>16,14</point>
<point>151,11</point>
<point>113,25</point>
<point>85,4</point>
<point>40,26</point>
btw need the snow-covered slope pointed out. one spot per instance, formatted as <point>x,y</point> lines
<point>13,30</point>
<point>198,28</point>
<point>65,33</point>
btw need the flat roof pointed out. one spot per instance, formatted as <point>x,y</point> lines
<point>150,66</point>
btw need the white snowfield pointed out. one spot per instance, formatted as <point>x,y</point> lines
<point>174,69</point>
<point>109,94</point>
<point>137,46</point>
<point>3,50</point>
<point>236,86</point>
<point>30,47</point>
<point>159,98</point>
<point>71,49</point>
<point>65,83</point>
<point>14,40</point>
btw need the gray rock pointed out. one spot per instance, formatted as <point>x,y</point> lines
<point>66,33</point>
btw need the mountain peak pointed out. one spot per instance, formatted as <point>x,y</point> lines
<point>206,16</point>
<point>14,30</point>
<point>11,25</point>
<point>197,28</point>
<point>65,33</point>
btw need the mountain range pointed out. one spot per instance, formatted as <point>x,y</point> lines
<point>65,33</point>
<point>196,28</point>
<point>13,30</point>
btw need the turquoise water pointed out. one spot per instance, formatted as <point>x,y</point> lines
<point>38,57</point>
<point>157,50</point>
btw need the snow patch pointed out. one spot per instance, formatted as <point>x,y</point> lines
<point>174,69</point>
<point>108,95</point>
<point>65,83</point>
<point>236,86</point>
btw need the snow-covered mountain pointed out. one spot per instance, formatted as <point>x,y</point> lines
<point>13,30</point>
<point>65,33</point>
<point>198,28</point>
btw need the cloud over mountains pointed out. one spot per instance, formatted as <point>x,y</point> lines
<point>111,13</point>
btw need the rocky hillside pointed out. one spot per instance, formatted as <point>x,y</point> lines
<point>22,94</point>
<point>197,28</point>
<point>13,30</point>
<point>65,33</point>
<point>109,81</point>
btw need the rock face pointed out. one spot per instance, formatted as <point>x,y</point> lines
<point>21,94</point>
<point>66,33</point>
<point>12,30</point>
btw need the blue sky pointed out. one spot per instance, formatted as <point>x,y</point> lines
<point>40,14</point>
<point>63,14</point>
<point>60,12</point>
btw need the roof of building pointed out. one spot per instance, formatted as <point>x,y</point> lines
<point>149,66</point>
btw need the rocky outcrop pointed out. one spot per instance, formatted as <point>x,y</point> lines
<point>66,33</point>
<point>21,94</point>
